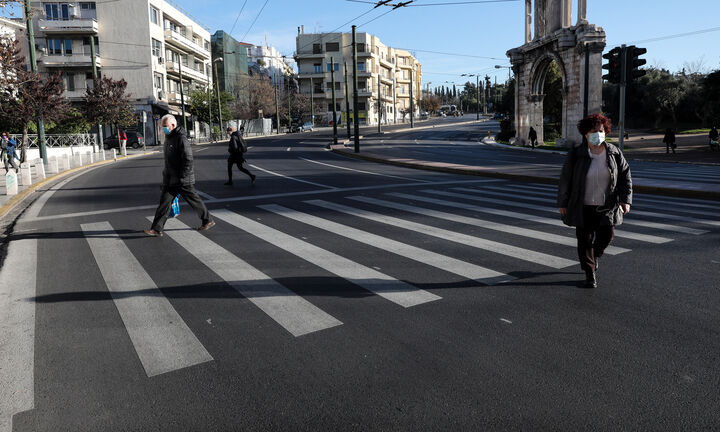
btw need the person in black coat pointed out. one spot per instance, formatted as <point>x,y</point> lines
<point>669,140</point>
<point>237,149</point>
<point>594,192</point>
<point>532,136</point>
<point>178,178</point>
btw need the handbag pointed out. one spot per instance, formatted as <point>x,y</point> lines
<point>175,208</point>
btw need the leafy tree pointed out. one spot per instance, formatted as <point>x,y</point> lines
<point>430,103</point>
<point>74,123</point>
<point>106,103</point>
<point>197,105</point>
<point>552,103</point>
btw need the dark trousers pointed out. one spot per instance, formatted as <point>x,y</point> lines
<point>11,161</point>
<point>189,195</point>
<point>670,146</point>
<point>592,238</point>
<point>237,159</point>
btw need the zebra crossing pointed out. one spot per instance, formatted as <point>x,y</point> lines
<point>411,226</point>
<point>677,172</point>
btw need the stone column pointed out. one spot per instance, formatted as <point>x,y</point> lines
<point>582,12</point>
<point>528,21</point>
<point>566,13</point>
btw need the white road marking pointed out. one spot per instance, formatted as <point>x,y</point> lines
<point>506,320</point>
<point>295,314</point>
<point>385,286</point>
<point>442,262</point>
<point>17,330</point>
<point>482,223</point>
<point>292,178</point>
<point>254,197</point>
<point>522,216</point>
<point>364,172</point>
<point>204,195</point>
<point>472,241</point>
<point>37,206</point>
<point>643,223</point>
<point>162,340</point>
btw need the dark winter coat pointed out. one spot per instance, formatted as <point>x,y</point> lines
<point>236,144</point>
<point>669,137</point>
<point>178,159</point>
<point>571,190</point>
<point>533,135</point>
<point>713,135</point>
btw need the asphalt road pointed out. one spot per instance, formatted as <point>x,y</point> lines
<point>338,294</point>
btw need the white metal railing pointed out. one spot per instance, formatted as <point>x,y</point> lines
<point>66,140</point>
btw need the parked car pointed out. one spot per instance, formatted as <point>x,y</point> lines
<point>134,140</point>
<point>307,126</point>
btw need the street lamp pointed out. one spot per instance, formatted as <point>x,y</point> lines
<point>217,84</point>
<point>477,87</point>
<point>508,68</point>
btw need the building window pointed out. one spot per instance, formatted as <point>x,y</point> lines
<point>86,46</point>
<point>69,80</point>
<point>67,45</point>
<point>337,66</point>
<point>156,48</point>
<point>332,47</point>
<point>360,47</point>
<point>317,49</point>
<point>87,10</point>
<point>361,106</point>
<point>206,44</point>
<point>54,46</point>
<point>158,81</point>
<point>317,68</point>
<point>154,16</point>
<point>337,107</point>
<point>361,66</point>
<point>329,85</point>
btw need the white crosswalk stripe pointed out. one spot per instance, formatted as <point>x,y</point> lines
<point>643,223</point>
<point>161,338</point>
<point>381,284</point>
<point>295,314</point>
<point>635,211</point>
<point>442,262</point>
<point>510,229</point>
<point>516,215</point>
<point>477,242</point>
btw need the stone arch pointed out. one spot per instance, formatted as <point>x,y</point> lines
<point>575,49</point>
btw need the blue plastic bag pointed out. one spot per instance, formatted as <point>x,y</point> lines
<point>175,208</point>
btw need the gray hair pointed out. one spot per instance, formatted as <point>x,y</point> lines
<point>170,118</point>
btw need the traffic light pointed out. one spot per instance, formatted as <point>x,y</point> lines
<point>633,62</point>
<point>613,65</point>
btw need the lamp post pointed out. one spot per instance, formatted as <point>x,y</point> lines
<point>477,87</point>
<point>217,84</point>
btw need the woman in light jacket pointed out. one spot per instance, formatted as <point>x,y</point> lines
<point>594,193</point>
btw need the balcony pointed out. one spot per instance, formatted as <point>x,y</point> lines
<point>309,55</point>
<point>386,79</point>
<point>311,74</point>
<point>187,71</point>
<point>387,63</point>
<point>180,41</point>
<point>76,95</point>
<point>74,26</point>
<point>174,98</point>
<point>75,60</point>
<point>405,66</point>
<point>364,54</point>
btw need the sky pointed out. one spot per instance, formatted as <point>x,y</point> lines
<point>472,30</point>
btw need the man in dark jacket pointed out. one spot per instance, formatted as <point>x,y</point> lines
<point>178,178</point>
<point>532,136</point>
<point>237,149</point>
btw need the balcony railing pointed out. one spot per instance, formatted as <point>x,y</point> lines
<point>76,26</point>
<point>178,39</point>
<point>186,70</point>
<point>75,60</point>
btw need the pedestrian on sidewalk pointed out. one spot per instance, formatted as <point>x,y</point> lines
<point>713,135</point>
<point>533,137</point>
<point>594,192</point>
<point>669,140</point>
<point>237,148</point>
<point>122,136</point>
<point>178,178</point>
<point>8,154</point>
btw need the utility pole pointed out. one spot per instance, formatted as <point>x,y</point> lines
<point>477,89</point>
<point>623,84</point>
<point>332,80</point>
<point>486,93</point>
<point>95,77</point>
<point>289,108</point>
<point>356,118</point>
<point>277,105</point>
<point>33,65</point>
<point>182,97</point>
<point>347,103</point>
<point>379,105</point>
<point>412,106</point>
<point>210,112</point>
<point>217,86</point>
<point>312,103</point>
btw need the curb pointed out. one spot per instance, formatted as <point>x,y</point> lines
<point>6,208</point>
<point>657,190</point>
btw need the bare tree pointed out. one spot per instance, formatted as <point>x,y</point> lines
<point>261,97</point>
<point>107,103</point>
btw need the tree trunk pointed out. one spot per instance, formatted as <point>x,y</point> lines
<point>24,143</point>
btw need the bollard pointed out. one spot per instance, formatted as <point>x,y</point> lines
<point>65,159</point>
<point>11,183</point>
<point>124,151</point>
<point>39,169</point>
<point>77,160</point>
<point>52,167</point>
<point>102,154</point>
<point>114,153</point>
<point>89,157</point>
<point>25,175</point>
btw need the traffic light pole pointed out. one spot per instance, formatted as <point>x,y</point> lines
<point>623,85</point>
<point>356,119</point>
<point>334,110</point>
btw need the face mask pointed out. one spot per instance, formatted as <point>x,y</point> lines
<point>597,138</point>
<point>166,130</point>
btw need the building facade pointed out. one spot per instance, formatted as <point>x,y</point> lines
<point>269,61</point>
<point>231,73</point>
<point>152,44</point>
<point>387,77</point>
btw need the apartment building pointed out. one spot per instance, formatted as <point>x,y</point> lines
<point>386,76</point>
<point>152,44</point>
<point>230,73</point>
<point>270,62</point>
